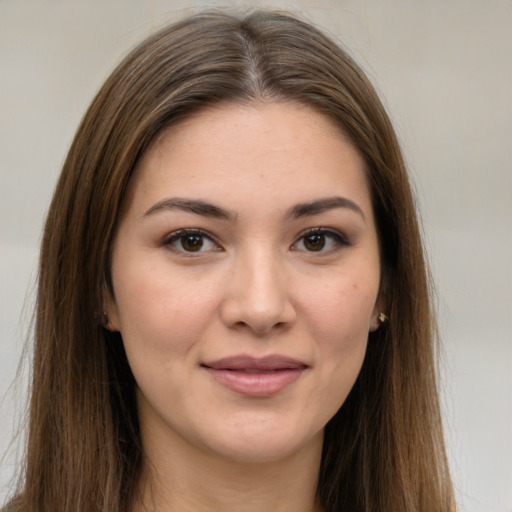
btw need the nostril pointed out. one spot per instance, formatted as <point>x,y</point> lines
<point>261,313</point>
<point>260,330</point>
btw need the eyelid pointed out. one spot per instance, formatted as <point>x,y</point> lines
<point>173,236</point>
<point>340,238</point>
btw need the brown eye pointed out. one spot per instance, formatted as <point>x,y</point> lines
<point>188,241</point>
<point>314,242</point>
<point>191,243</point>
<point>321,241</point>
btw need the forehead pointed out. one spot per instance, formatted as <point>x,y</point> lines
<point>278,152</point>
<point>230,122</point>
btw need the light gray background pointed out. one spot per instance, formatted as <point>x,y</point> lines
<point>444,69</point>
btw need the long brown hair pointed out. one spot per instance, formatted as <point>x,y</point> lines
<point>383,450</point>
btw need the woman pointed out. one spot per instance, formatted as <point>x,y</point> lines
<point>233,308</point>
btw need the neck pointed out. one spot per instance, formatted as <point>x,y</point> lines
<point>203,482</point>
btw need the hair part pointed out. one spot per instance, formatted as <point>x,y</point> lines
<point>383,450</point>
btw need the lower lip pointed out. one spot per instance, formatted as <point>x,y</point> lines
<point>256,384</point>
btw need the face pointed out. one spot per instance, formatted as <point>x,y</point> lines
<point>245,271</point>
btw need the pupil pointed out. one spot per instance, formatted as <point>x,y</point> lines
<point>192,242</point>
<point>315,242</point>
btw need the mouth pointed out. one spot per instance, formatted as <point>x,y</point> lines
<point>256,377</point>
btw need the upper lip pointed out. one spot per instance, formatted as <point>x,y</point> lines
<point>244,362</point>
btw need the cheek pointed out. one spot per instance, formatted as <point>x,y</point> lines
<point>340,317</point>
<point>161,314</point>
<point>342,309</point>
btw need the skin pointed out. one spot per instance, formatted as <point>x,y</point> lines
<point>257,286</point>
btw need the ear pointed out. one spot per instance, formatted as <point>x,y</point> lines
<point>379,310</point>
<point>374,321</point>
<point>111,320</point>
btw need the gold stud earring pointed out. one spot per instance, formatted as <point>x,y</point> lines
<point>105,322</point>
<point>383,318</point>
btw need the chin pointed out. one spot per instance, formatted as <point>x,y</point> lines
<point>263,445</point>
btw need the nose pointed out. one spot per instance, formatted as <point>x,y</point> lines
<point>257,296</point>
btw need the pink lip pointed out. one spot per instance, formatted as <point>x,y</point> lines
<point>257,377</point>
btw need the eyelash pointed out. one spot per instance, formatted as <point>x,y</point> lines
<point>180,236</point>
<point>338,240</point>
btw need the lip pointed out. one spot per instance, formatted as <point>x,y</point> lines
<point>256,377</point>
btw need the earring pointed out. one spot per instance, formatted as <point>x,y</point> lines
<point>105,322</point>
<point>383,318</point>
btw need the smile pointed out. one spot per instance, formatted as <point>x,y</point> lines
<point>255,377</point>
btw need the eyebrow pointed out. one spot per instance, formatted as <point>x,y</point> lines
<point>192,206</point>
<point>206,209</point>
<point>322,205</point>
